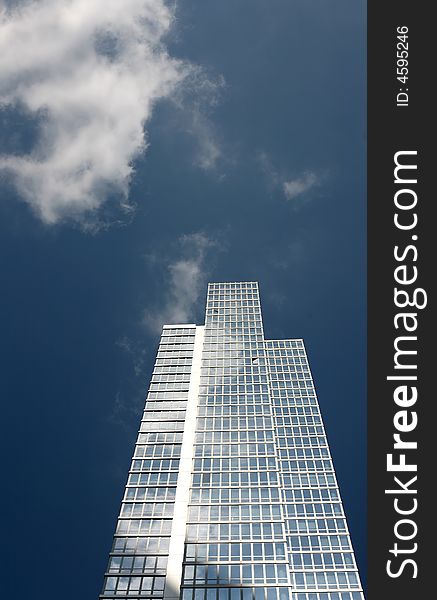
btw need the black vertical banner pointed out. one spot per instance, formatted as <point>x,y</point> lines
<point>401,256</point>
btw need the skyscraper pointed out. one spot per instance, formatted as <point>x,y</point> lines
<point>232,493</point>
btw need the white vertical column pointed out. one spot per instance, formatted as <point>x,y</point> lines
<point>177,538</point>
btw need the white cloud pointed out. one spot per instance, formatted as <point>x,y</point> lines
<point>298,186</point>
<point>91,72</point>
<point>185,282</point>
<point>292,188</point>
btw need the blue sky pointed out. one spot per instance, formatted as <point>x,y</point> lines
<point>251,167</point>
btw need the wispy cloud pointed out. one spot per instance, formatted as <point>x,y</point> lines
<point>272,176</point>
<point>129,399</point>
<point>209,150</point>
<point>292,187</point>
<point>300,185</point>
<point>185,283</point>
<point>126,409</point>
<point>90,72</point>
<point>136,351</point>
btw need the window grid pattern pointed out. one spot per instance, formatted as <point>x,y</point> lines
<point>235,542</point>
<point>322,562</point>
<point>265,519</point>
<point>138,561</point>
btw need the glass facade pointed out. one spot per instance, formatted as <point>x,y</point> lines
<point>232,493</point>
<point>138,561</point>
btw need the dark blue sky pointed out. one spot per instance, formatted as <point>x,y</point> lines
<point>80,311</point>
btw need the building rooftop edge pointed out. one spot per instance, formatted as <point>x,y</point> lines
<point>230,282</point>
<point>180,326</point>
<point>298,339</point>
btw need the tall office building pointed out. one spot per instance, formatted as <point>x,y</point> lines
<point>232,493</point>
